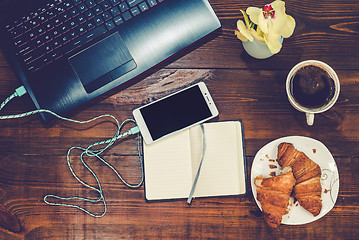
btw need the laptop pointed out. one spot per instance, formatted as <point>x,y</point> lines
<point>68,52</point>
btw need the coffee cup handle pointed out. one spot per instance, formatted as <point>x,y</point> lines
<point>310,118</point>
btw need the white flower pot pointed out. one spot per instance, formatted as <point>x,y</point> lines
<point>258,49</point>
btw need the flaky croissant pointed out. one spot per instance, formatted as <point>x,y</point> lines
<point>273,193</point>
<point>307,173</point>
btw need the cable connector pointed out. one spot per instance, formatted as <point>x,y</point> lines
<point>134,130</point>
<point>20,91</point>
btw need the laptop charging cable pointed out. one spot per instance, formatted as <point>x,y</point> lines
<point>89,151</point>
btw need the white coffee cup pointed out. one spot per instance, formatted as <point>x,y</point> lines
<point>311,110</point>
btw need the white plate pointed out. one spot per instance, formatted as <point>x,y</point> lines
<point>316,151</point>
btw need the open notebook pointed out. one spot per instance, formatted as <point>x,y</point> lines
<point>171,164</point>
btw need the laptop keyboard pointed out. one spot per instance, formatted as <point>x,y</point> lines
<point>62,26</point>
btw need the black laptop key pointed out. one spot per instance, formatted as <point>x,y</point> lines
<point>59,9</point>
<point>118,20</point>
<point>143,6</point>
<point>110,25</point>
<point>152,2</point>
<point>135,11</point>
<point>123,6</point>
<point>90,3</point>
<point>66,48</point>
<point>32,56</point>
<point>78,43</point>
<point>106,5</point>
<point>90,24</point>
<point>39,30</point>
<point>97,9</point>
<point>74,12</point>
<point>96,32</point>
<point>126,15</point>
<point>39,42</point>
<point>55,54</point>
<point>50,13</point>
<point>48,48</point>
<point>76,1</point>
<point>25,49</point>
<point>82,7</point>
<point>65,16</point>
<point>72,23</point>
<point>48,26</point>
<point>47,38</point>
<point>18,42</point>
<point>81,19</point>
<point>115,11</point>
<point>64,28</point>
<point>55,44</point>
<point>40,62</point>
<point>132,3</point>
<point>54,33</point>
<point>115,2</point>
<point>89,14</point>
<point>42,17</point>
<point>106,16</point>
<point>65,38</point>
<point>57,21</point>
<point>15,32</point>
<point>68,4</point>
<point>22,28</point>
<point>98,20</point>
<point>73,34</point>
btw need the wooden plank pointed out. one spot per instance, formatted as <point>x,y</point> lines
<point>254,97</point>
<point>129,215</point>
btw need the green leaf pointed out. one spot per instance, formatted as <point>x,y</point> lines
<point>246,19</point>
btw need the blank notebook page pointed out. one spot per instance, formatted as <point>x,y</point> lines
<point>168,173</point>
<point>222,171</point>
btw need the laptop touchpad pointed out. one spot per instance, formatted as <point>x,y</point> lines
<point>94,65</point>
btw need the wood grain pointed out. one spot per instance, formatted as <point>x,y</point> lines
<point>33,154</point>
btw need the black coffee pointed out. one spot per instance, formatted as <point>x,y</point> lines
<point>312,87</point>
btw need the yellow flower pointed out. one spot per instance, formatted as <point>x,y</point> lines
<point>272,24</point>
<point>243,31</point>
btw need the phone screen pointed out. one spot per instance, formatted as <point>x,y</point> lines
<point>175,112</point>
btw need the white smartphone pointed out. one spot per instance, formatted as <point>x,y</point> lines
<point>175,112</point>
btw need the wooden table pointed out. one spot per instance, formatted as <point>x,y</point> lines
<point>33,154</point>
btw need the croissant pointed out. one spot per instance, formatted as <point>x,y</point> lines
<point>307,173</point>
<point>273,193</point>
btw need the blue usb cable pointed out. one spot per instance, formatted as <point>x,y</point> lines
<point>85,151</point>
